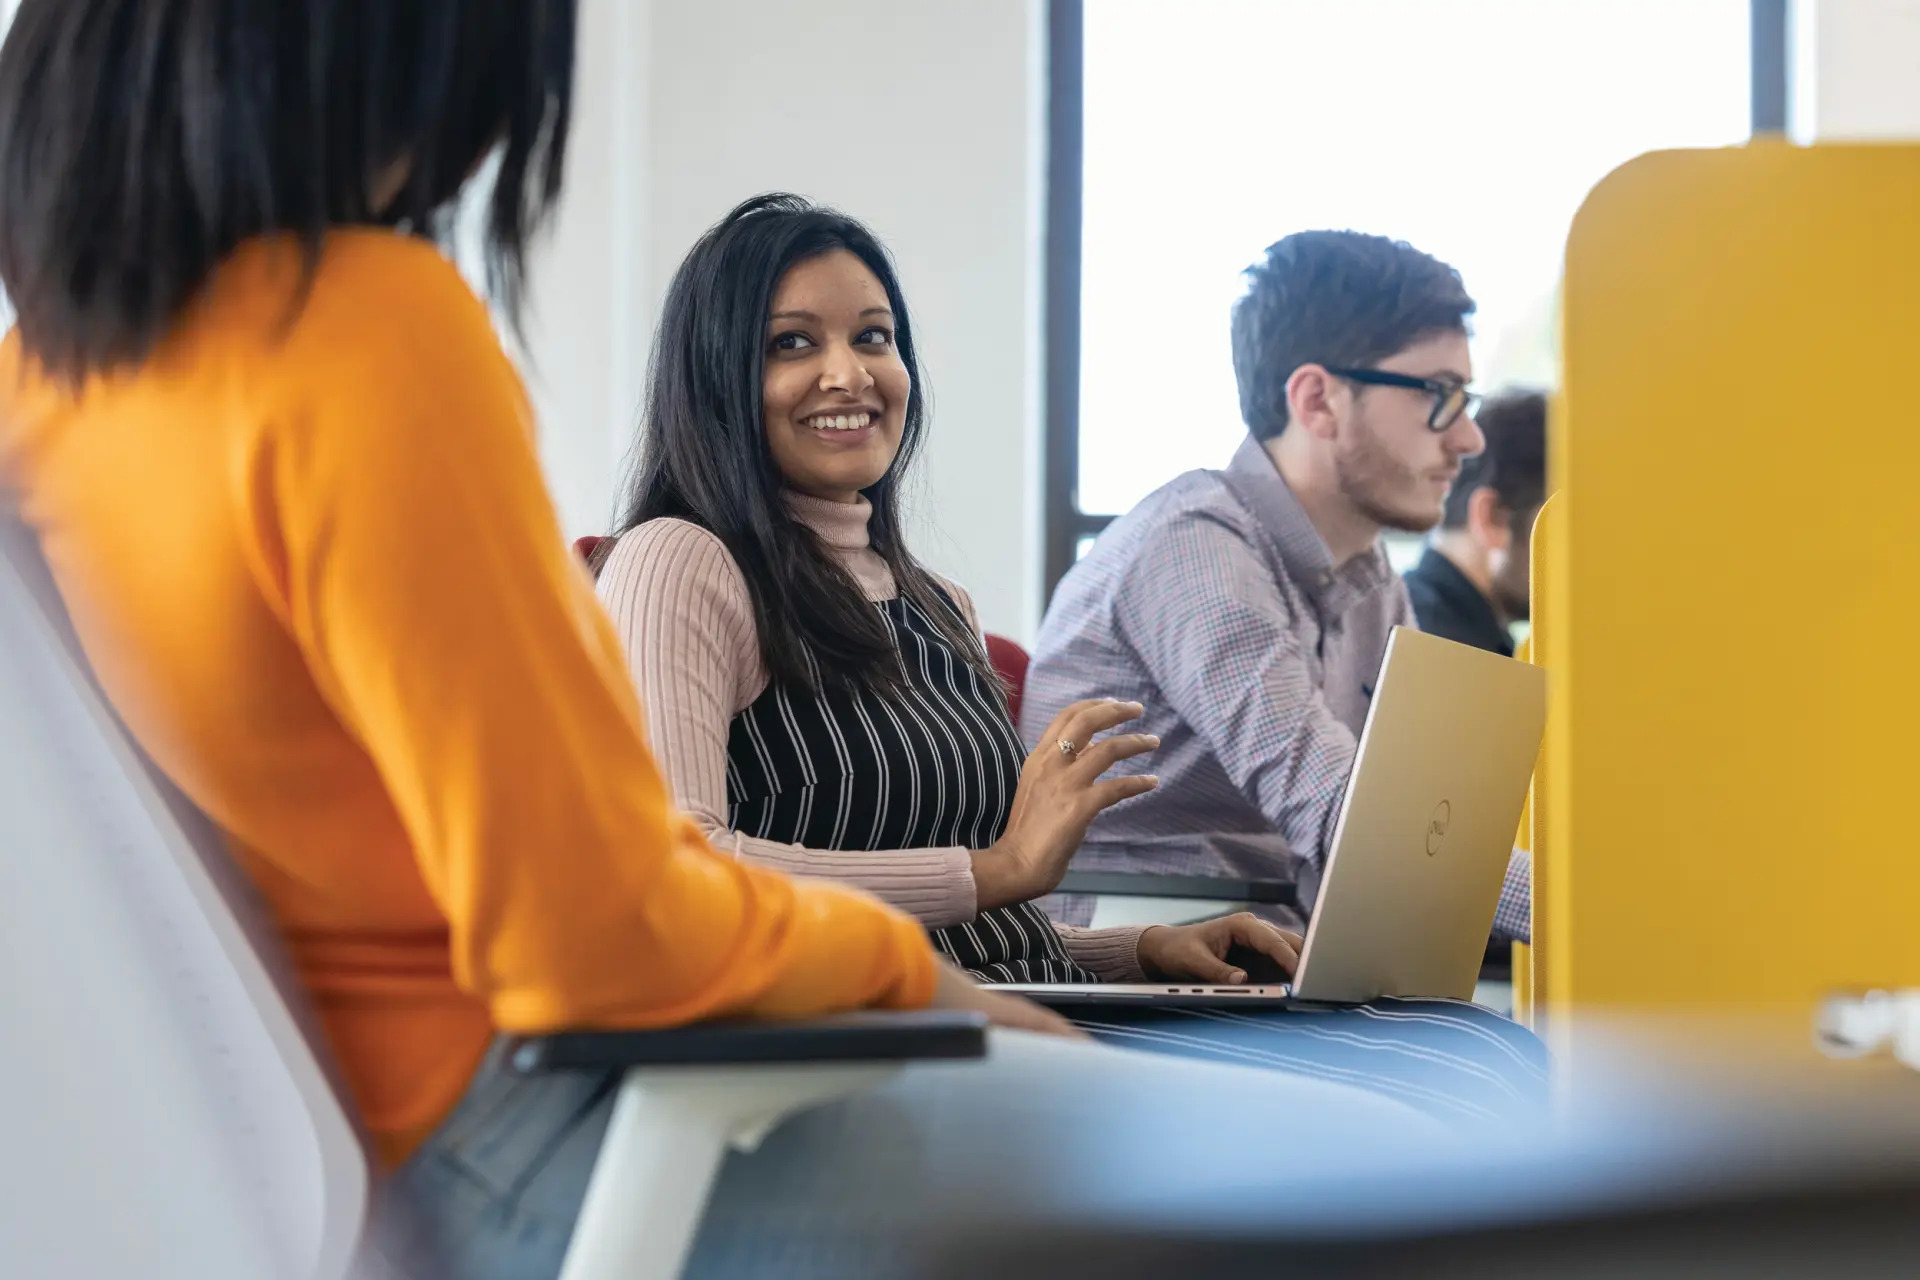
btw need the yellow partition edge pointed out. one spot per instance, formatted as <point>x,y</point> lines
<point>1549,870</point>
<point>1527,958</point>
<point>1523,984</point>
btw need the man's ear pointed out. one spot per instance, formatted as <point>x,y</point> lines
<point>1489,520</point>
<point>1313,400</point>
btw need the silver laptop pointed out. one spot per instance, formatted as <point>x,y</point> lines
<point>1420,850</point>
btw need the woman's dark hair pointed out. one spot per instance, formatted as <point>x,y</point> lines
<point>141,141</point>
<point>704,457</point>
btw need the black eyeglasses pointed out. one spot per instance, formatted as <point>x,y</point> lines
<point>1450,399</point>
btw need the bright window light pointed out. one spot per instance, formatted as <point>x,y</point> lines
<point>1471,128</point>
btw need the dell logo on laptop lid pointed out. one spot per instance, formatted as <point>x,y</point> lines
<point>1437,824</point>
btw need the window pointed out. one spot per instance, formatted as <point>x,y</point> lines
<point>1194,135</point>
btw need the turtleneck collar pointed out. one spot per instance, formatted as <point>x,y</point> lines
<point>841,525</point>
<point>842,528</point>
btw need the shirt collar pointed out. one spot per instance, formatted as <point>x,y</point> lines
<point>1303,552</point>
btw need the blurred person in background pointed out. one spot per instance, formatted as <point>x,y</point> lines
<point>1471,584</point>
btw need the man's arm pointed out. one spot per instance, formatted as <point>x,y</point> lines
<point>1201,610</point>
<point>1513,918</point>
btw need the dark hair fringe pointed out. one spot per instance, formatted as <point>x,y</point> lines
<point>703,454</point>
<point>142,141</point>
<point>1334,298</point>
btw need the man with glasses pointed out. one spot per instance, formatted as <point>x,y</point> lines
<point>1248,609</point>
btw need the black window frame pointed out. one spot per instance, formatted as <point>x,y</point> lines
<point>1065,524</point>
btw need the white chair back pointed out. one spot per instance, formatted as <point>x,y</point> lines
<point>162,1112</point>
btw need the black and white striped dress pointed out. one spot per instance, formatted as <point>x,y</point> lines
<point>932,766</point>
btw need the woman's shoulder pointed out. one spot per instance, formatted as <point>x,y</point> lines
<point>379,320</point>
<point>671,557</point>
<point>958,597</point>
<point>670,538</point>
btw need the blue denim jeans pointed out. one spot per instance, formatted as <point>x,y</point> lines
<point>839,1191</point>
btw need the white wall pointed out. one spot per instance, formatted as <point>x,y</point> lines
<point>1855,70</point>
<point>922,117</point>
<point>590,302</point>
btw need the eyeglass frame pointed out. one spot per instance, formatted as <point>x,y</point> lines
<point>1441,390</point>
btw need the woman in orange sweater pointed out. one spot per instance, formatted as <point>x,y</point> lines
<point>285,475</point>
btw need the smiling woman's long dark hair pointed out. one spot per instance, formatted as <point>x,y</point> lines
<point>704,456</point>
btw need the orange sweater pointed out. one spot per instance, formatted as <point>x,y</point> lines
<point>312,559</point>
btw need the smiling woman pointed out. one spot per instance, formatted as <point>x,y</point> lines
<point>836,389</point>
<point>753,334</point>
<point>824,704</point>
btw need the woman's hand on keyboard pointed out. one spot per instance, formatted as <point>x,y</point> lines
<point>1198,952</point>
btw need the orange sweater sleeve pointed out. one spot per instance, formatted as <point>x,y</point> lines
<point>401,521</point>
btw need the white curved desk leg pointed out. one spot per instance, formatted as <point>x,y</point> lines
<point>663,1146</point>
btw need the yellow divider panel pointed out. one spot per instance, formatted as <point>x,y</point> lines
<point>1732,584</point>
